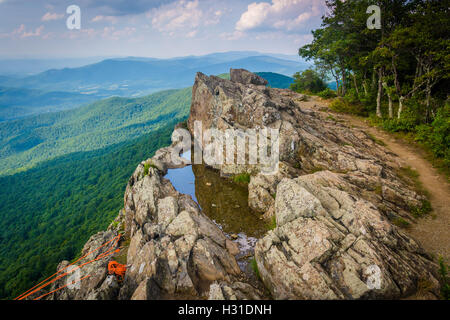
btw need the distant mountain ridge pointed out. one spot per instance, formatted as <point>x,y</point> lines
<point>139,76</point>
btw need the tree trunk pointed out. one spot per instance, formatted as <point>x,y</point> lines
<point>344,80</point>
<point>380,92</point>
<point>385,86</point>
<point>356,84</point>
<point>400,106</point>
<point>374,73</point>
<point>365,87</point>
<point>427,103</point>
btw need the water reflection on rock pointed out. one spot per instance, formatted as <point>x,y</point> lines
<point>224,202</point>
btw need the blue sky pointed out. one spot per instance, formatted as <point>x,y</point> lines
<point>156,28</point>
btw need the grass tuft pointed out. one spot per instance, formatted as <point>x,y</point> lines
<point>445,279</point>
<point>376,140</point>
<point>147,167</point>
<point>254,266</point>
<point>243,178</point>
<point>411,177</point>
<point>401,223</point>
<point>272,224</point>
<point>423,209</point>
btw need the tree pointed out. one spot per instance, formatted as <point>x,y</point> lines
<point>308,81</point>
<point>407,58</point>
<point>405,63</point>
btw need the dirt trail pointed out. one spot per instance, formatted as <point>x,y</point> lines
<point>432,231</point>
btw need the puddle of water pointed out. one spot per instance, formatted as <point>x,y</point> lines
<point>183,180</point>
<point>224,202</point>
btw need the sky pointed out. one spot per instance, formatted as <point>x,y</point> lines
<point>155,28</point>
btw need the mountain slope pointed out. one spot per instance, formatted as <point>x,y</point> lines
<point>26,142</point>
<point>48,212</point>
<point>20,102</point>
<point>276,80</point>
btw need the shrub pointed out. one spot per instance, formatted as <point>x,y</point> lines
<point>445,288</point>
<point>352,96</point>
<point>309,81</point>
<point>437,135</point>
<point>327,94</point>
<point>343,106</point>
<point>407,122</point>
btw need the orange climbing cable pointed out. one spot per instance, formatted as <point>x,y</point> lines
<point>103,255</point>
<point>87,254</point>
<point>27,293</point>
<point>44,295</point>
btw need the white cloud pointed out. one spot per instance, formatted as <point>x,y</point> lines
<point>111,19</point>
<point>282,15</point>
<point>183,17</point>
<point>235,35</point>
<point>23,33</point>
<point>52,16</point>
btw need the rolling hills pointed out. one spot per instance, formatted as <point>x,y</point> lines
<point>21,102</point>
<point>26,142</point>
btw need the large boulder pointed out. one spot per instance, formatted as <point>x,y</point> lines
<point>88,281</point>
<point>309,141</point>
<point>245,77</point>
<point>329,244</point>
<point>174,249</point>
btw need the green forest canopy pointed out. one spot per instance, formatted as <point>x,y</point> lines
<point>26,142</point>
<point>400,73</point>
<point>47,213</point>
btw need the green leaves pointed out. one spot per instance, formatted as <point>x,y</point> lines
<point>309,81</point>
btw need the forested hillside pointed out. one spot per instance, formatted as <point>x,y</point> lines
<point>48,212</point>
<point>276,80</point>
<point>26,142</point>
<point>399,74</point>
<point>20,102</point>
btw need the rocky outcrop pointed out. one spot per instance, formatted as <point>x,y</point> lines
<point>329,244</point>
<point>309,141</point>
<point>98,285</point>
<point>173,250</point>
<point>334,196</point>
<point>334,238</point>
<point>245,77</point>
